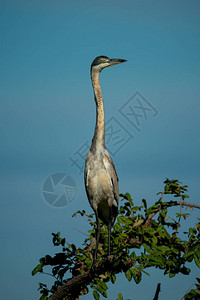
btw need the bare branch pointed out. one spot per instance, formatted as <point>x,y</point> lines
<point>157,292</point>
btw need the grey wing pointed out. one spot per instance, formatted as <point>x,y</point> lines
<point>113,176</point>
<point>87,170</point>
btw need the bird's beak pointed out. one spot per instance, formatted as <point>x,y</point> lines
<point>114,61</point>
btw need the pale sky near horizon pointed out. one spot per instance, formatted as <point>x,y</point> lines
<point>48,118</point>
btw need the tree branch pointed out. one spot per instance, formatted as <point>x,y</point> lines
<point>174,203</point>
<point>74,285</point>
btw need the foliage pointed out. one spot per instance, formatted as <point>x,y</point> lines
<point>142,237</point>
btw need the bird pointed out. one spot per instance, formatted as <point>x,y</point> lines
<point>101,179</point>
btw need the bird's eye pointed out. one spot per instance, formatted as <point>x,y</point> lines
<point>103,60</point>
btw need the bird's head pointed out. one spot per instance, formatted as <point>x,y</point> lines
<point>102,62</point>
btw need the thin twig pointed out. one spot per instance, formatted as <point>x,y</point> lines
<point>81,232</point>
<point>187,291</point>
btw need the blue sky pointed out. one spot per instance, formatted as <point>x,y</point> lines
<point>48,113</point>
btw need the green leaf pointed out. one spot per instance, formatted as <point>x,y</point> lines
<point>120,219</point>
<point>174,250</point>
<point>103,285</point>
<point>136,275</point>
<point>145,203</point>
<point>197,261</point>
<point>122,195</point>
<point>96,295</point>
<point>138,223</point>
<point>63,242</point>
<point>161,233</point>
<point>128,274</point>
<point>120,296</point>
<point>102,291</point>
<point>191,251</point>
<point>133,255</point>
<point>38,268</point>
<point>154,239</point>
<point>73,247</point>
<point>146,247</point>
<point>185,270</point>
<point>43,297</point>
<point>145,272</point>
<point>128,197</point>
<point>116,263</point>
<point>113,278</point>
<point>157,261</point>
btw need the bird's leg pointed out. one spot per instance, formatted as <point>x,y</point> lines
<point>109,230</point>
<point>97,236</point>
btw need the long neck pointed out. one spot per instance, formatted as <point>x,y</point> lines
<point>98,140</point>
